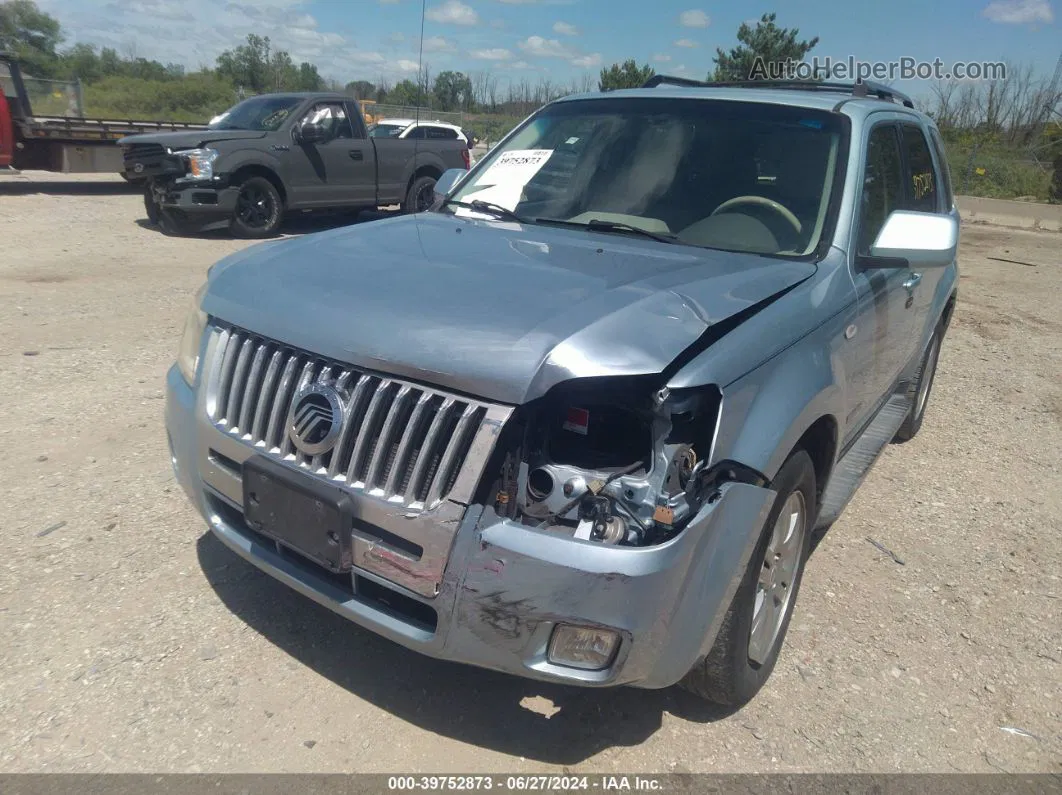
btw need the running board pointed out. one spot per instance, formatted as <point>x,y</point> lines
<point>850,471</point>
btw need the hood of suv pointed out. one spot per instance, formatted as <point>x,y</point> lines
<point>493,309</point>
<point>190,139</point>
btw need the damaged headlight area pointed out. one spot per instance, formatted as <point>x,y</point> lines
<point>613,461</point>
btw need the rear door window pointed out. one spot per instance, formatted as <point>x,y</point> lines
<point>921,175</point>
<point>945,167</point>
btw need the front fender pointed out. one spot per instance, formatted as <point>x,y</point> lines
<point>765,413</point>
<point>229,163</point>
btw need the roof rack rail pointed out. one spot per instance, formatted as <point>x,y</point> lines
<point>861,88</point>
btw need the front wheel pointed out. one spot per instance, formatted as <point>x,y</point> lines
<point>420,196</point>
<point>259,209</point>
<point>750,638</point>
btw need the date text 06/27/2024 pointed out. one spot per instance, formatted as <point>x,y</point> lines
<point>539,783</point>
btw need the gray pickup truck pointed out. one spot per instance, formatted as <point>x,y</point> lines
<point>580,421</point>
<point>280,152</point>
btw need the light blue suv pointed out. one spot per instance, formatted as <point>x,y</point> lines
<point>579,421</point>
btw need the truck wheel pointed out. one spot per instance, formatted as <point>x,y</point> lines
<point>918,392</point>
<point>259,209</point>
<point>755,624</point>
<point>150,207</point>
<point>420,196</point>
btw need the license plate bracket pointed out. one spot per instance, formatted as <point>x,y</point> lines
<point>307,515</point>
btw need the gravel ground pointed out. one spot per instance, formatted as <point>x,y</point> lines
<point>135,642</point>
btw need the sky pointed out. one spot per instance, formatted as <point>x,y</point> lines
<point>561,40</point>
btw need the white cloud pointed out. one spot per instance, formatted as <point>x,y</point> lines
<point>1016,12</point>
<point>453,12</point>
<point>437,44</point>
<point>694,18</point>
<point>661,57</point>
<point>686,43</point>
<point>407,65</point>
<point>493,54</point>
<point>565,29</point>
<point>546,48</point>
<point>519,65</point>
<point>586,61</point>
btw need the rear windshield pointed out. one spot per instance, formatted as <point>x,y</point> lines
<point>738,176</point>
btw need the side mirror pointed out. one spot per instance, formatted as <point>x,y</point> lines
<point>447,182</point>
<point>916,240</point>
<point>310,133</point>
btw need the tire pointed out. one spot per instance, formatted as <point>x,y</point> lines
<point>921,386</point>
<point>259,209</point>
<point>150,207</point>
<point>420,196</point>
<point>735,669</point>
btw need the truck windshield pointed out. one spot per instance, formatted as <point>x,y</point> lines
<point>739,176</point>
<point>262,114</point>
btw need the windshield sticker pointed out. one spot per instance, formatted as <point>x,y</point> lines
<point>573,140</point>
<point>515,167</point>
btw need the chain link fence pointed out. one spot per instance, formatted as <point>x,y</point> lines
<point>380,112</point>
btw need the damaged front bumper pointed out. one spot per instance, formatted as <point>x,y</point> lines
<point>507,586</point>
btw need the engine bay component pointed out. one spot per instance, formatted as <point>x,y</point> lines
<point>612,466</point>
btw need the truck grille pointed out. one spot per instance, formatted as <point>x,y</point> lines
<point>143,151</point>
<point>398,441</point>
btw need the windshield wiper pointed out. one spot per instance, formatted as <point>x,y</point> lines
<point>597,225</point>
<point>487,207</point>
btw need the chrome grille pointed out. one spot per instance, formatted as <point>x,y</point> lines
<point>399,441</point>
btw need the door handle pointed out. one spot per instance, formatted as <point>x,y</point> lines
<point>912,282</point>
<point>356,154</point>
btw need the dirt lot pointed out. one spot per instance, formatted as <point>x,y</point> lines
<point>132,641</point>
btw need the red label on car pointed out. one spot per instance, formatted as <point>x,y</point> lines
<point>578,421</point>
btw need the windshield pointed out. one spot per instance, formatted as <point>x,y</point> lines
<point>736,176</point>
<point>262,114</point>
<point>386,130</point>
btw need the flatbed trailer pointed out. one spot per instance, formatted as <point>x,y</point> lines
<point>68,143</point>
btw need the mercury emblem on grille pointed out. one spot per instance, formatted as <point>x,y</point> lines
<point>315,419</point>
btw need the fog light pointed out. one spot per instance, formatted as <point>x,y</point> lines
<point>588,648</point>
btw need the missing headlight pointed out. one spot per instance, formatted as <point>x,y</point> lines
<point>609,463</point>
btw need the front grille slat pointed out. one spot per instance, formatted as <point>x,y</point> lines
<point>351,423</point>
<point>266,397</point>
<point>250,391</point>
<point>404,455</point>
<point>427,450</point>
<point>304,380</point>
<point>243,361</point>
<point>382,454</point>
<point>403,442</point>
<point>280,404</point>
<point>366,436</point>
<point>228,364</point>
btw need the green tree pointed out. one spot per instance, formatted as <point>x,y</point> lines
<point>31,35</point>
<point>308,78</point>
<point>248,65</point>
<point>625,75</point>
<point>452,91</point>
<point>761,46</point>
<point>362,89</point>
<point>404,93</point>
